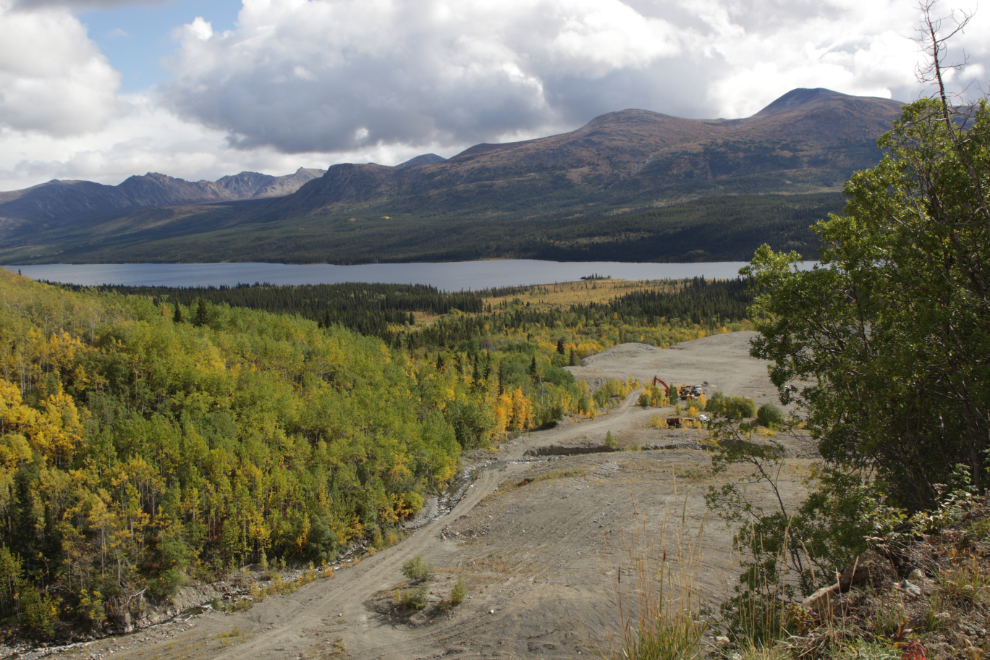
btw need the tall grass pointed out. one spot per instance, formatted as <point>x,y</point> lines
<point>657,596</point>
<point>755,615</point>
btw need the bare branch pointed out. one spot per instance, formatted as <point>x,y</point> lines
<point>933,42</point>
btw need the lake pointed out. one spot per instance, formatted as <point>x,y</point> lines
<point>455,276</point>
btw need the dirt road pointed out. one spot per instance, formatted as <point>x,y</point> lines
<point>536,541</point>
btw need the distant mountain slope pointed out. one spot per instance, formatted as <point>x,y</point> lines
<point>806,140</point>
<point>563,196</point>
<point>57,201</point>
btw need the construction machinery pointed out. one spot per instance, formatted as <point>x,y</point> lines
<point>666,387</point>
<point>693,392</point>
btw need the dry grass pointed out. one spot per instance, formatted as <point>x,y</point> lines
<point>656,595</point>
<point>563,295</point>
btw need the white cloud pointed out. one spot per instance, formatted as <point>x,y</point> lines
<point>200,29</point>
<point>53,79</point>
<point>304,75</point>
<point>151,139</point>
<point>312,82</point>
<point>298,76</point>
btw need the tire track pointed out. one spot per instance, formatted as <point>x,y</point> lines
<point>341,599</point>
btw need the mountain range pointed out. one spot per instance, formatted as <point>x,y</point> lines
<point>66,201</point>
<point>629,185</point>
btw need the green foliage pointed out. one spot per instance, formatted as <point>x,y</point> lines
<point>37,612</point>
<point>731,407</point>
<point>893,328</point>
<point>459,591</point>
<point>770,416</point>
<point>865,650</point>
<point>90,609</point>
<point>786,546</point>
<point>202,316</point>
<point>10,577</point>
<point>416,569</point>
<point>416,598</point>
<point>610,443</point>
<point>366,308</point>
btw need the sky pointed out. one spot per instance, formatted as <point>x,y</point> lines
<point>105,89</point>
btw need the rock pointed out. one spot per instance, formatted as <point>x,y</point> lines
<point>869,569</point>
<point>910,590</point>
<point>822,601</point>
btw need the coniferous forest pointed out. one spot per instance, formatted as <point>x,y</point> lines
<point>162,434</point>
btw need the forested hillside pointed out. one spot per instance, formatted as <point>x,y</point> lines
<point>726,227</point>
<point>144,441</point>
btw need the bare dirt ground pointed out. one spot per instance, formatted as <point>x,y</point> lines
<point>721,361</point>
<point>536,540</point>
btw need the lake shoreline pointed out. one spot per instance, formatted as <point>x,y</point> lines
<point>447,276</point>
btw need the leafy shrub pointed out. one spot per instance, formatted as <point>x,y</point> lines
<point>458,592</point>
<point>732,407</point>
<point>770,416</point>
<point>716,403</point>
<point>416,599</point>
<point>38,612</point>
<point>416,569</point>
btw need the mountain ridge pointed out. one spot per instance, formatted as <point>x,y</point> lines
<point>562,196</point>
<point>613,149</point>
<point>66,200</point>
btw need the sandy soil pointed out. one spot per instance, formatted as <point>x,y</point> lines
<point>536,539</point>
<point>721,362</point>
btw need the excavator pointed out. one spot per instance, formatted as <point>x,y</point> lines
<point>666,387</point>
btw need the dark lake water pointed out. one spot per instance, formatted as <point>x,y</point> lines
<point>454,276</point>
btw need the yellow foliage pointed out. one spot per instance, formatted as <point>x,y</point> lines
<point>303,534</point>
<point>400,467</point>
<point>55,431</point>
<point>658,422</point>
<point>503,413</point>
<point>521,410</point>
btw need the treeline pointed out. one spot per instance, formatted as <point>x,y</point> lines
<point>384,310</point>
<point>365,308</point>
<point>698,301</point>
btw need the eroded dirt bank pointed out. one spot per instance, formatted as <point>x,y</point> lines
<point>535,538</point>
